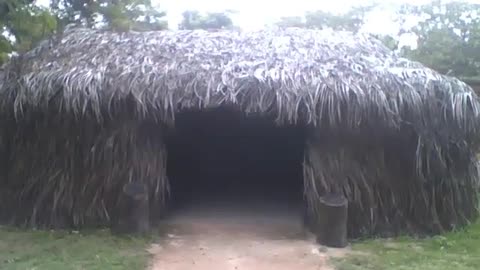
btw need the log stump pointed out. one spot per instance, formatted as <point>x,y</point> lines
<point>331,225</point>
<point>134,214</point>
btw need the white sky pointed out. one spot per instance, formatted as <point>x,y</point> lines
<point>253,14</point>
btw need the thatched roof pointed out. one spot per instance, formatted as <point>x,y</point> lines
<point>398,139</point>
<point>315,77</point>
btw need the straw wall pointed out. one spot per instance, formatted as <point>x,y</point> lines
<point>394,183</point>
<point>62,171</point>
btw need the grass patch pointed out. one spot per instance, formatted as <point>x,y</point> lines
<point>62,250</point>
<point>456,250</point>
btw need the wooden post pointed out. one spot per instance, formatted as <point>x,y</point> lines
<point>308,219</point>
<point>134,216</point>
<point>331,222</point>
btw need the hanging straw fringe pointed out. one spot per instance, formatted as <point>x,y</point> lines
<point>85,112</point>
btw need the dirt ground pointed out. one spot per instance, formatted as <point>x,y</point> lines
<point>223,237</point>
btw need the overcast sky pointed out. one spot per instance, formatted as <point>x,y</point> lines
<point>253,14</point>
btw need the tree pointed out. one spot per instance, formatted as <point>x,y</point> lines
<point>8,6</point>
<point>214,20</point>
<point>448,37</point>
<point>352,20</point>
<point>448,33</point>
<point>292,21</point>
<point>23,25</point>
<point>120,15</point>
<point>137,15</point>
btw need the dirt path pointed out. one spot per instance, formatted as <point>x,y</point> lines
<point>210,239</point>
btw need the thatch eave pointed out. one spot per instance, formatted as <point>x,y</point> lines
<point>335,79</point>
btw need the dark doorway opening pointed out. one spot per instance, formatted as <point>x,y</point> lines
<point>225,161</point>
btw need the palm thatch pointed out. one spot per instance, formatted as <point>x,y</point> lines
<point>85,112</point>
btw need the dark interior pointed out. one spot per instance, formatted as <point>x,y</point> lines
<point>221,155</point>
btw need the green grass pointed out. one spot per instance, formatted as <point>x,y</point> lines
<point>61,250</point>
<point>453,251</point>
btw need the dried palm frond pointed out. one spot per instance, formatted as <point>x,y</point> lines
<point>86,112</point>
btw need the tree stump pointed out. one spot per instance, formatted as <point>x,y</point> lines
<point>133,216</point>
<point>331,222</point>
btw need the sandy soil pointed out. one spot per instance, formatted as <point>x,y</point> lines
<point>223,237</point>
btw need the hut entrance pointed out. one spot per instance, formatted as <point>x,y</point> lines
<point>224,164</point>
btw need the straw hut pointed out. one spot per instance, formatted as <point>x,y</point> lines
<point>89,111</point>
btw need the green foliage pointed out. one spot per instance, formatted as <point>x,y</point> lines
<point>5,49</point>
<point>352,20</point>
<point>61,250</point>
<point>455,250</point>
<point>135,15</point>
<point>119,15</point>
<point>216,20</point>
<point>388,41</point>
<point>448,33</point>
<point>448,37</point>
<point>23,25</point>
<point>29,26</point>
<point>8,6</point>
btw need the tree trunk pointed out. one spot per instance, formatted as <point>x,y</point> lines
<point>331,222</point>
